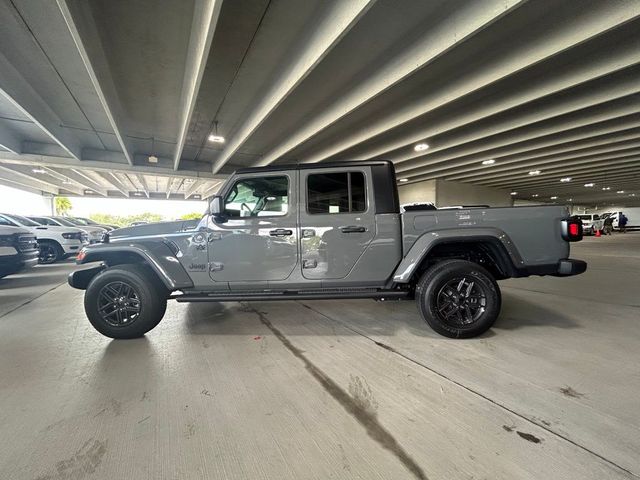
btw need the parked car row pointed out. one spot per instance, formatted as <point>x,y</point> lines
<point>25,241</point>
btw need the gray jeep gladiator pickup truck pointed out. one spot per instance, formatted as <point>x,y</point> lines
<point>326,231</point>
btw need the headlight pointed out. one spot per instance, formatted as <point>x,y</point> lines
<point>72,235</point>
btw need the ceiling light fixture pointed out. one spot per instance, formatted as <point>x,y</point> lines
<point>553,198</point>
<point>570,199</point>
<point>514,193</point>
<point>535,172</point>
<point>214,137</point>
<point>535,195</point>
<point>403,180</point>
<point>606,188</point>
<point>565,179</point>
<point>153,159</point>
<point>491,161</point>
<point>39,170</point>
<point>620,191</point>
<point>589,185</point>
<point>421,147</point>
<point>137,194</point>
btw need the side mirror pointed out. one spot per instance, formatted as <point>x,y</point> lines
<point>215,206</point>
<point>216,210</point>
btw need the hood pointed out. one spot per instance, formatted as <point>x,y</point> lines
<point>55,229</point>
<point>9,230</point>
<point>153,229</point>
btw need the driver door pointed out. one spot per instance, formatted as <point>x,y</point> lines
<point>255,240</point>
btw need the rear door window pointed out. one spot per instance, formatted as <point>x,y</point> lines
<point>343,192</point>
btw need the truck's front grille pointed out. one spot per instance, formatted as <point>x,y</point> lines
<point>27,243</point>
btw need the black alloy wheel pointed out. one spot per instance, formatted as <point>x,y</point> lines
<point>48,254</point>
<point>119,304</point>
<point>461,301</point>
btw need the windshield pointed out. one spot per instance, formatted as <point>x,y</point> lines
<point>87,221</point>
<point>64,221</point>
<point>23,221</point>
<point>78,221</point>
<point>45,221</point>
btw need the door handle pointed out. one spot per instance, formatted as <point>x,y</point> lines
<point>353,229</point>
<point>280,232</point>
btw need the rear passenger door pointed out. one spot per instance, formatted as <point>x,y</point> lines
<point>337,222</point>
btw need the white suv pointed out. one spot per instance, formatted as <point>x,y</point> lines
<point>55,243</point>
<point>94,233</point>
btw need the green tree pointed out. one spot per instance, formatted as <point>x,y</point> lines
<point>63,205</point>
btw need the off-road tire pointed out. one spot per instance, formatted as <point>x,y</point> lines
<point>434,290</point>
<point>150,293</point>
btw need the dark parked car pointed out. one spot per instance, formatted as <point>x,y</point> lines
<point>18,250</point>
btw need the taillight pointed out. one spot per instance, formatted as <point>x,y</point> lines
<point>572,229</point>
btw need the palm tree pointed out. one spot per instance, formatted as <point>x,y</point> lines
<point>63,205</point>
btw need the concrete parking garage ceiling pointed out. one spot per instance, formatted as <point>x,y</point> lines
<point>90,90</point>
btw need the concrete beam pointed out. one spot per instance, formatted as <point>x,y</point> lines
<point>565,159</point>
<point>45,178</point>
<point>77,177</point>
<point>67,180</point>
<point>20,180</point>
<point>192,188</point>
<point>212,190</point>
<point>89,46</point>
<point>102,166</point>
<point>330,29</point>
<point>460,25</point>
<point>90,181</point>
<point>593,144</point>
<point>10,142</point>
<point>606,119</point>
<point>143,182</point>
<point>113,180</point>
<point>571,35</point>
<point>31,189</point>
<point>205,18</point>
<point>598,166</point>
<point>169,186</point>
<point>17,90</point>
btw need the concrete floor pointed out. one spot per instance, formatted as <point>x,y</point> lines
<point>349,389</point>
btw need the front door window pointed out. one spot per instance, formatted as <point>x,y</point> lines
<point>258,197</point>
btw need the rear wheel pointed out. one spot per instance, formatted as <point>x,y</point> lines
<point>125,301</point>
<point>50,252</point>
<point>458,299</point>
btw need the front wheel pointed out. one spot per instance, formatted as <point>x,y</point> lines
<point>49,252</point>
<point>458,299</point>
<point>125,301</point>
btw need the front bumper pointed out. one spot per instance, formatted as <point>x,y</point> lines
<point>72,248</point>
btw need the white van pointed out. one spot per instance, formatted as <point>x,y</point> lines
<point>632,214</point>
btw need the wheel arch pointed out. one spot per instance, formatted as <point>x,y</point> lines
<point>490,248</point>
<point>159,259</point>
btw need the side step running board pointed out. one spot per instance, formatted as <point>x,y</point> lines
<point>291,295</point>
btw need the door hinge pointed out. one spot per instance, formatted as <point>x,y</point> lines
<point>309,263</point>
<point>216,266</point>
<point>214,236</point>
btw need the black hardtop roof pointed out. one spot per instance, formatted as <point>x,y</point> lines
<point>306,166</point>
